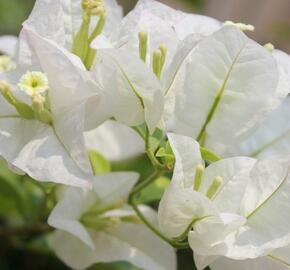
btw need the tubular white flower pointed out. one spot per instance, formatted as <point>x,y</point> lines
<point>33,83</point>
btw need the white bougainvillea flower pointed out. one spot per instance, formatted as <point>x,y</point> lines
<point>236,208</point>
<point>44,104</point>
<point>63,21</point>
<point>221,102</point>
<point>115,141</point>
<point>97,226</point>
<point>133,92</point>
<point>278,260</point>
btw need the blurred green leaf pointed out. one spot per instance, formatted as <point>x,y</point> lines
<point>114,266</point>
<point>99,163</point>
<point>208,155</point>
<point>154,191</point>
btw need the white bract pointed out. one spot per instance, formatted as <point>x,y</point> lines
<point>133,92</point>
<point>97,226</point>
<point>278,260</point>
<point>44,104</point>
<point>162,24</point>
<point>115,141</point>
<point>271,138</point>
<point>220,88</point>
<point>272,135</point>
<point>236,208</point>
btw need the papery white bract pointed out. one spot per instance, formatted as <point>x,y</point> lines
<point>278,260</point>
<point>245,216</point>
<point>113,233</point>
<point>115,141</point>
<point>129,87</point>
<point>222,93</point>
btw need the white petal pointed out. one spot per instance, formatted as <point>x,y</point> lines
<point>49,24</point>
<point>266,206</point>
<point>183,23</point>
<point>212,235</point>
<point>65,216</point>
<point>175,75</point>
<point>283,62</point>
<point>133,92</point>
<point>271,138</point>
<point>72,251</point>
<point>187,157</point>
<point>235,173</point>
<point>33,148</point>
<point>196,24</point>
<point>159,32</point>
<point>180,207</point>
<point>115,187</point>
<point>115,141</point>
<point>8,45</point>
<point>240,70</point>
<point>264,263</point>
<point>127,242</point>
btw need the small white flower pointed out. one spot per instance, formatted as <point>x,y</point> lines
<point>33,83</point>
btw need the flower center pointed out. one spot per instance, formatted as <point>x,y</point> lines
<point>33,82</point>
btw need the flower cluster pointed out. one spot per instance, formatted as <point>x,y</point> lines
<point>88,96</point>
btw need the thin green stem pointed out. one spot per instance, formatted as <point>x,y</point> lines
<point>134,204</point>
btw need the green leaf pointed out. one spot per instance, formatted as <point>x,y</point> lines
<point>114,266</point>
<point>99,163</point>
<point>11,197</point>
<point>154,191</point>
<point>208,155</point>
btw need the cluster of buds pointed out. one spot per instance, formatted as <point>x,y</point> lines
<point>93,7</point>
<point>243,27</point>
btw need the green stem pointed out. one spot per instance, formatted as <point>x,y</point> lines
<point>134,204</point>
